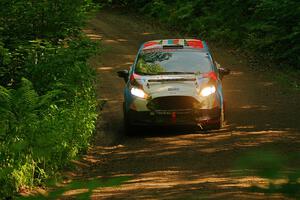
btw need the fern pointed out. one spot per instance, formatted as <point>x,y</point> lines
<point>5,104</point>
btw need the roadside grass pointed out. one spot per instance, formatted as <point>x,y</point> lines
<point>79,189</point>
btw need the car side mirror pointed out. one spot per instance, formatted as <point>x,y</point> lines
<point>123,74</point>
<point>223,71</point>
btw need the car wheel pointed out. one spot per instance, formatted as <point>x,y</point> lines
<point>220,122</point>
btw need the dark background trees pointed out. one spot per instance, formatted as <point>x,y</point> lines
<point>268,29</point>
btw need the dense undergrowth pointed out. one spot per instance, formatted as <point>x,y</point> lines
<point>47,97</point>
<point>268,28</point>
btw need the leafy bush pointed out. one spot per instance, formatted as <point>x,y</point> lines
<point>27,25</point>
<point>42,129</point>
<point>28,20</point>
<point>47,96</point>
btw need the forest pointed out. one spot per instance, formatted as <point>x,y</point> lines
<point>268,29</point>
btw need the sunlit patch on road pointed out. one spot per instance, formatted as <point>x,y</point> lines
<point>104,68</point>
<point>236,73</point>
<point>109,41</point>
<point>122,40</point>
<point>92,35</point>
<point>147,33</point>
<point>258,107</point>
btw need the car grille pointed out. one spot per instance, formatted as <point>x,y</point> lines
<point>173,103</point>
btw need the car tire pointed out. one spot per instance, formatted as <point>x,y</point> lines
<point>219,124</point>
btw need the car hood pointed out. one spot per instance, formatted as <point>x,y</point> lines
<point>172,85</point>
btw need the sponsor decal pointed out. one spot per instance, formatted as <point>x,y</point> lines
<point>195,43</point>
<point>152,43</point>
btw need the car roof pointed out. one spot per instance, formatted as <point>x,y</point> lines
<point>176,44</point>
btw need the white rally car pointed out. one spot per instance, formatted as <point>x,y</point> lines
<point>174,82</point>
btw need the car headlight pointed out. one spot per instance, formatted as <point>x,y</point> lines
<point>208,91</point>
<point>138,92</point>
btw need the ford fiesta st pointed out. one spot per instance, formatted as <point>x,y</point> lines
<point>174,82</point>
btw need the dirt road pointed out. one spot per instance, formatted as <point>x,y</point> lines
<point>184,164</point>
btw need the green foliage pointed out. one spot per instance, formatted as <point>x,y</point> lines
<point>28,27</point>
<point>38,134</point>
<point>268,28</point>
<point>271,166</point>
<point>47,96</point>
<point>52,19</point>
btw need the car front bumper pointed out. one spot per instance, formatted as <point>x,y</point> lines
<point>174,117</point>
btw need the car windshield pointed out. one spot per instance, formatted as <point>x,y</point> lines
<point>173,62</point>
